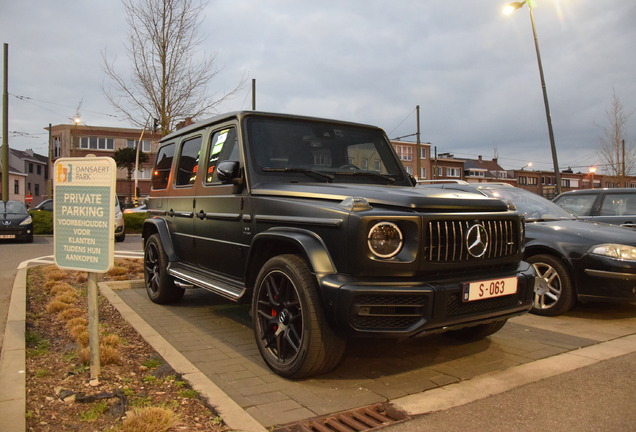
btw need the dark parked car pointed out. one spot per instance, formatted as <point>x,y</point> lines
<point>46,205</point>
<point>578,259</point>
<point>317,225</point>
<point>612,206</point>
<point>15,222</point>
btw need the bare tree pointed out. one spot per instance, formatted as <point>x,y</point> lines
<point>165,83</point>
<point>617,153</point>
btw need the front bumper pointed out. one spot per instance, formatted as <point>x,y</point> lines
<point>605,279</point>
<point>412,308</point>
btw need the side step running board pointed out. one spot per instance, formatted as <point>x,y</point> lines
<point>190,278</point>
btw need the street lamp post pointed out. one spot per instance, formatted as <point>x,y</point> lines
<point>509,9</point>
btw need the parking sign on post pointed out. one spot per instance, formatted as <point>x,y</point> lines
<point>84,213</point>
<point>84,234</point>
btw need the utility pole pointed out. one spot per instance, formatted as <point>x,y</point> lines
<point>623,165</point>
<point>253,94</point>
<point>5,127</point>
<point>418,147</point>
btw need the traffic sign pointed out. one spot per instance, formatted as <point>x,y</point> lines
<point>84,213</point>
<point>28,198</point>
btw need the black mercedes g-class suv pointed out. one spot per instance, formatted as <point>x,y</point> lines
<point>318,225</point>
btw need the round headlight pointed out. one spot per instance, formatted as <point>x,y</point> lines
<point>385,240</point>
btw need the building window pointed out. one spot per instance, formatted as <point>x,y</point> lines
<point>423,173</point>
<point>39,169</point>
<point>16,187</point>
<point>145,145</point>
<point>97,143</point>
<point>409,169</point>
<point>30,168</point>
<point>453,172</point>
<point>440,171</point>
<point>28,187</point>
<point>37,189</point>
<point>422,152</point>
<point>405,153</point>
<point>144,174</point>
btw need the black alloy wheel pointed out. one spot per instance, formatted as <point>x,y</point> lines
<point>291,331</point>
<point>160,285</point>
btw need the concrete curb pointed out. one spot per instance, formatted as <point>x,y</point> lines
<point>233,415</point>
<point>454,395</point>
<point>13,359</point>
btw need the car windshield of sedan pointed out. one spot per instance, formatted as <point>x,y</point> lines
<point>13,207</point>
<point>534,207</point>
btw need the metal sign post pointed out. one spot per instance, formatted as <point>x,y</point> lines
<point>84,234</point>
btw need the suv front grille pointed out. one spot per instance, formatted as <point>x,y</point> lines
<point>445,240</point>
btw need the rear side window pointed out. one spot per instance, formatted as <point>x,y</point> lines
<point>223,142</point>
<point>188,162</point>
<point>161,173</point>
<point>619,204</point>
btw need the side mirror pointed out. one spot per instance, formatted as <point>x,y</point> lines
<point>228,171</point>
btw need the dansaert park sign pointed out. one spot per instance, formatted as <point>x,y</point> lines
<point>84,213</point>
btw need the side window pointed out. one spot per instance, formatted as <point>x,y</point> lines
<point>188,162</point>
<point>578,205</point>
<point>223,142</point>
<point>619,204</point>
<point>162,167</point>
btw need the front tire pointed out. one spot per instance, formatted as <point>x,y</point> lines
<point>160,285</point>
<point>560,296</point>
<point>291,331</point>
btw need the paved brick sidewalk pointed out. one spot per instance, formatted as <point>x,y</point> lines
<point>215,335</point>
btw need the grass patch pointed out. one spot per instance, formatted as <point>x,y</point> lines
<point>153,363</point>
<point>188,393</point>
<point>94,412</point>
<point>36,345</point>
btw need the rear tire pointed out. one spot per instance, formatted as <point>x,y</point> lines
<point>291,331</point>
<point>160,285</point>
<point>478,332</point>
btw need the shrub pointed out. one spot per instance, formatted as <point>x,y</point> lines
<point>42,222</point>
<point>134,221</point>
<point>150,419</point>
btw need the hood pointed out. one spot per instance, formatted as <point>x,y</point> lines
<point>580,232</point>
<point>11,219</point>
<point>394,196</point>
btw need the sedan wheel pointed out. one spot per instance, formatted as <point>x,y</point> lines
<point>559,296</point>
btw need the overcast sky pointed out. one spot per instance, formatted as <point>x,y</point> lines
<point>472,70</point>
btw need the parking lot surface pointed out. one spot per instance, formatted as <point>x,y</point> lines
<point>216,337</point>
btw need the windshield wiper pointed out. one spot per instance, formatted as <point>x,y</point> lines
<point>368,174</point>
<point>309,172</point>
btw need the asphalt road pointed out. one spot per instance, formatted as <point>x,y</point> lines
<point>14,253</point>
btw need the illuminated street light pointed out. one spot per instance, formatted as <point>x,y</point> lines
<point>508,10</point>
<point>592,171</point>
<point>529,164</point>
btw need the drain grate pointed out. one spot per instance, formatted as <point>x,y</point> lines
<point>357,420</point>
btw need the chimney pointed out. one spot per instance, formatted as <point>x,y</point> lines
<point>479,158</point>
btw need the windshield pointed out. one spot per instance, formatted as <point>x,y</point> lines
<point>533,206</point>
<point>304,150</point>
<point>13,207</point>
